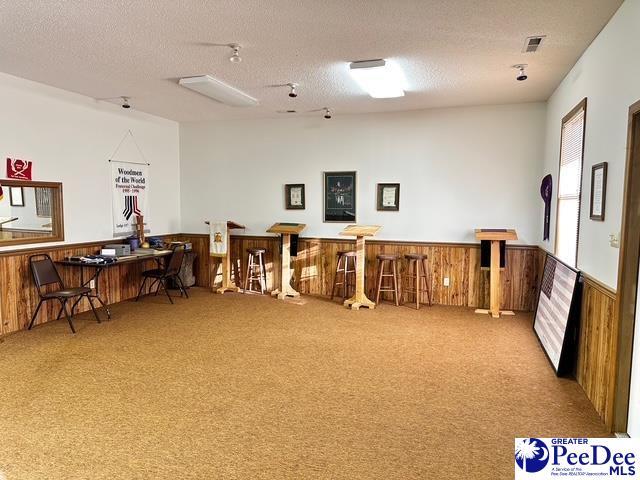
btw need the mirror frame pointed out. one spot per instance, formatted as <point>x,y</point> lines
<point>57,218</point>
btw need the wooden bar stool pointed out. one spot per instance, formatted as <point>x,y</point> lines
<point>348,275</point>
<point>392,262</point>
<point>256,270</point>
<point>416,277</point>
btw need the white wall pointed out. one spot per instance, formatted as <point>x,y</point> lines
<point>608,74</point>
<point>70,138</point>
<point>459,169</point>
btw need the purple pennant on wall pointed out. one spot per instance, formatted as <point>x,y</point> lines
<point>546,188</point>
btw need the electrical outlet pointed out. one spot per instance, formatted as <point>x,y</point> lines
<point>446,281</point>
<point>92,284</point>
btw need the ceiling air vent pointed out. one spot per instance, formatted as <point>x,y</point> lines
<point>533,44</point>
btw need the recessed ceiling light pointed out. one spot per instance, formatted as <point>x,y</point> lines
<point>379,78</point>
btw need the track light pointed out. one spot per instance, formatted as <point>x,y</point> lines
<point>522,76</point>
<point>293,93</point>
<point>125,102</point>
<point>327,113</point>
<point>235,56</point>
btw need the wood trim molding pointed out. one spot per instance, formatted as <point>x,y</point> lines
<point>627,273</point>
<point>63,246</point>
<point>372,241</point>
<point>598,285</point>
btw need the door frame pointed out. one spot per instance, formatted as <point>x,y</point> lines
<point>628,267</point>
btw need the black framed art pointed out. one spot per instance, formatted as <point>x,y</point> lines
<point>388,197</point>
<point>340,197</point>
<point>598,191</point>
<point>294,196</point>
<point>16,196</point>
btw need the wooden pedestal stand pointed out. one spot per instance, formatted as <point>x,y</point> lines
<point>286,230</point>
<point>227,284</point>
<point>495,236</point>
<point>359,299</point>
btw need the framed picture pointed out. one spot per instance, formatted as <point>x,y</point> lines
<point>294,196</point>
<point>340,197</point>
<point>16,197</point>
<point>598,191</point>
<point>388,197</point>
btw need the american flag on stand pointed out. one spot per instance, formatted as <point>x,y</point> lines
<point>554,304</point>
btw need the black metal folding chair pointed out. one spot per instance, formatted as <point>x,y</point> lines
<point>162,276</point>
<point>45,274</point>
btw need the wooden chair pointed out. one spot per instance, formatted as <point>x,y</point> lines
<point>392,262</point>
<point>162,276</point>
<point>348,275</point>
<point>416,277</point>
<point>256,271</point>
<point>44,274</point>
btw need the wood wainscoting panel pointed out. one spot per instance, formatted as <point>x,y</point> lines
<point>595,369</point>
<point>315,265</point>
<point>313,272</point>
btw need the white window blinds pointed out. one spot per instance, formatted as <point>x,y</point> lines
<point>569,185</point>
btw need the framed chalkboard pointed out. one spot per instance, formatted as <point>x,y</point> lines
<point>557,317</point>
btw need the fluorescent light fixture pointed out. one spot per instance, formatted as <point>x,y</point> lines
<point>378,78</point>
<point>219,91</point>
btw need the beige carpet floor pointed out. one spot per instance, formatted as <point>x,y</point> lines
<point>248,387</point>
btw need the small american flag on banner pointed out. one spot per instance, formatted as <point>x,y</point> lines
<point>554,304</point>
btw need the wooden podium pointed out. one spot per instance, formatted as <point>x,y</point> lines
<point>286,230</point>
<point>227,284</point>
<point>359,299</point>
<point>495,236</point>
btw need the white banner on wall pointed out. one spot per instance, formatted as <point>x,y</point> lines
<point>130,184</point>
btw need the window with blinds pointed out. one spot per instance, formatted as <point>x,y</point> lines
<point>569,184</point>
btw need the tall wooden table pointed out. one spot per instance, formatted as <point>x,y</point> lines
<point>286,230</point>
<point>495,236</point>
<point>359,299</point>
<point>227,284</point>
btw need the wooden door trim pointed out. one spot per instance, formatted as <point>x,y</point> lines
<point>625,309</point>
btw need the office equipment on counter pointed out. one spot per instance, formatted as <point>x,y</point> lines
<point>286,230</point>
<point>116,250</point>
<point>133,243</point>
<point>155,242</point>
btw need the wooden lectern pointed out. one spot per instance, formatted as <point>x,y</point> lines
<point>286,230</point>
<point>495,236</point>
<point>359,299</point>
<point>227,284</point>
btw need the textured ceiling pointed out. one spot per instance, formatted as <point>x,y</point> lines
<point>453,52</point>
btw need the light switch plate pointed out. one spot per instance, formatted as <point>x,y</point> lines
<point>614,240</point>
<point>446,281</point>
<point>92,284</point>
